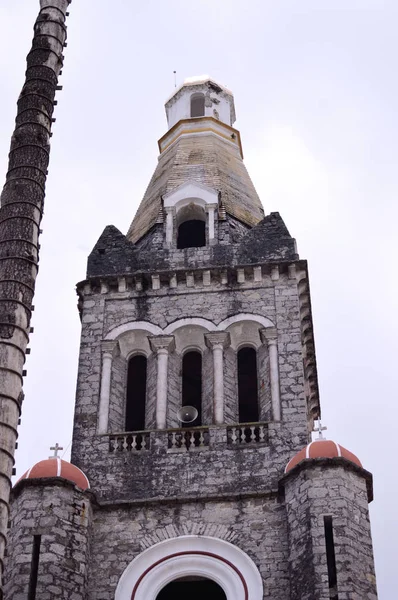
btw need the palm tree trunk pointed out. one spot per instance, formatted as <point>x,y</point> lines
<point>21,211</point>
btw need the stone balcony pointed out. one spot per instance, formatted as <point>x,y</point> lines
<point>187,463</point>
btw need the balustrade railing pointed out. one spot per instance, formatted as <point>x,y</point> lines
<point>247,433</point>
<point>130,442</point>
<point>183,440</point>
<point>188,439</point>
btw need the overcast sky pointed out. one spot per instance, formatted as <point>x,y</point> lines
<point>315,86</point>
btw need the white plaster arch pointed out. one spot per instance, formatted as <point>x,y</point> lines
<point>191,191</point>
<point>208,325</point>
<point>203,556</point>
<point>263,321</point>
<point>131,326</point>
<point>246,344</point>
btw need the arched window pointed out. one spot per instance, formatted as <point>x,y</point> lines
<point>194,588</point>
<point>247,385</point>
<point>191,234</point>
<point>191,221</point>
<point>192,383</point>
<point>197,105</point>
<point>136,393</point>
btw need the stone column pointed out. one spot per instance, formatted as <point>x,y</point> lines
<point>217,341</point>
<point>210,211</point>
<point>169,226</point>
<point>269,336</point>
<point>103,409</point>
<point>161,345</point>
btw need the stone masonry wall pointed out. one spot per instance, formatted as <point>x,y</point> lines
<point>218,469</point>
<point>264,392</point>
<point>117,404</point>
<point>276,300</point>
<point>150,405</point>
<point>256,525</point>
<point>231,409</point>
<point>61,515</point>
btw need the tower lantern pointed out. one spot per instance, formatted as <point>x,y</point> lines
<point>200,97</point>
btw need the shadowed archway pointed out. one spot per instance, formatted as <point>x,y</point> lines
<point>192,588</point>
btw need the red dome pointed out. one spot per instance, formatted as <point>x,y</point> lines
<point>322,449</point>
<point>56,467</point>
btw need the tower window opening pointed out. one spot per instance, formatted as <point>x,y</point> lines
<point>247,385</point>
<point>192,384</point>
<point>331,558</point>
<point>191,234</point>
<point>34,567</point>
<point>136,393</point>
<point>194,588</point>
<point>197,105</point>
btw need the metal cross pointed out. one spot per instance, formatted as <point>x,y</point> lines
<point>319,429</point>
<point>55,448</point>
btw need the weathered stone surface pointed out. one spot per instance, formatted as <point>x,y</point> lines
<point>220,166</point>
<point>61,514</point>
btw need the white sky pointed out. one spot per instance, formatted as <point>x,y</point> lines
<point>315,90</point>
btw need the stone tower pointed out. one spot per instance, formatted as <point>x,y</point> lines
<point>196,396</point>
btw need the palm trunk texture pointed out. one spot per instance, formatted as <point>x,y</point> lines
<point>21,211</point>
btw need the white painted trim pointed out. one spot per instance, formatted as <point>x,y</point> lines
<point>250,344</point>
<point>263,321</point>
<point>192,348</point>
<point>203,556</point>
<point>191,192</point>
<point>59,467</point>
<point>337,448</point>
<point>143,325</point>
<point>307,450</point>
<point>208,325</point>
<point>137,352</point>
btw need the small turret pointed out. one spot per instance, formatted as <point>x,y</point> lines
<point>327,493</point>
<point>48,541</point>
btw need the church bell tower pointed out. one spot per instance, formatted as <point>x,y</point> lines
<point>196,398</point>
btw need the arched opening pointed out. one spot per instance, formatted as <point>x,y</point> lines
<point>192,384</point>
<point>197,105</point>
<point>194,588</point>
<point>247,385</point>
<point>191,234</point>
<point>191,222</point>
<point>136,393</point>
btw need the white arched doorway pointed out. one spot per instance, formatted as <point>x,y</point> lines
<point>191,556</point>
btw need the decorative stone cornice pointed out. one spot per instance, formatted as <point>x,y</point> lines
<point>217,338</point>
<point>162,342</point>
<point>269,335</point>
<point>108,347</point>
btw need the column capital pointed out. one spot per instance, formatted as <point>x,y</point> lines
<point>108,347</point>
<point>217,338</point>
<point>269,336</point>
<point>161,342</point>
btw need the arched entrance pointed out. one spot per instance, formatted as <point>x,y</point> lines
<point>191,559</point>
<point>194,588</point>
